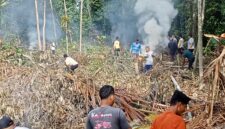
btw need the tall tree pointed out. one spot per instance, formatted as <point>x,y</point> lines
<point>38,27</point>
<point>53,19</point>
<point>66,27</point>
<point>201,12</point>
<point>44,27</point>
<point>81,23</point>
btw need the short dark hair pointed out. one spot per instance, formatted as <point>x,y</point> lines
<point>6,122</point>
<point>65,55</point>
<point>117,37</point>
<point>106,91</point>
<point>179,96</point>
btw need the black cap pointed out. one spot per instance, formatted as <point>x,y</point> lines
<point>179,96</point>
<point>6,122</point>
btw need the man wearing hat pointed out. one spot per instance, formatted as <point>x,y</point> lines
<point>7,123</point>
<point>171,119</point>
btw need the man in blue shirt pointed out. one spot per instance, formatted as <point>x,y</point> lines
<point>135,48</point>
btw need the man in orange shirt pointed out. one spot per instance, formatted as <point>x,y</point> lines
<point>172,119</point>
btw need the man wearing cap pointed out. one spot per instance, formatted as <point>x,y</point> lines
<point>7,123</point>
<point>171,119</point>
<point>71,64</point>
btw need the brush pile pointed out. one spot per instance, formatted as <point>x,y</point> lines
<point>39,94</point>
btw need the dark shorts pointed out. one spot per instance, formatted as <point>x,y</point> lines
<point>53,51</point>
<point>117,51</point>
<point>73,67</point>
<point>148,67</point>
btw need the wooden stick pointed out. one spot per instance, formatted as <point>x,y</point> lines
<point>175,83</point>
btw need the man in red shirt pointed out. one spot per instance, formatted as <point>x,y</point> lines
<point>171,119</point>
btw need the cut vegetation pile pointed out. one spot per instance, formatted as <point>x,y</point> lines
<point>37,92</point>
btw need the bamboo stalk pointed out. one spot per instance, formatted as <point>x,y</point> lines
<point>53,19</point>
<point>66,27</point>
<point>81,24</point>
<point>44,27</point>
<point>37,25</point>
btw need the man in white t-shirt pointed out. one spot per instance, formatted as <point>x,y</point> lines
<point>7,123</point>
<point>191,44</point>
<point>53,48</point>
<point>149,59</point>
<point>70,63</point>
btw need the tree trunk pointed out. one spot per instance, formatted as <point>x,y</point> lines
<point>44,27</point>
<point>66,26</point>
<point>195,29</point>
<point>37,22</point>
<point>81,23</point>
<point>53,20</point>
<point>201,8</point>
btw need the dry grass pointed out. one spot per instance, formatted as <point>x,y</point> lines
<point>42,95</point>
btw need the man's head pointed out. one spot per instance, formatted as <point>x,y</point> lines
<point>181,36</point>
<point>137,41</point>
<point>147,48</point>
<point>6,123</point>
<point>179,101</point>
<point>106,94</point>
<point>117,38</point>
<point>65,55</point>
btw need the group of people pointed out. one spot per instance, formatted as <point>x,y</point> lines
<point>176,46</point>
<point>108,117</point>
<point>136,52</point>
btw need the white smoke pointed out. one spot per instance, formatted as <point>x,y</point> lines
<point>154,20</point>
<point>149,20</point>
<point>19,19</point>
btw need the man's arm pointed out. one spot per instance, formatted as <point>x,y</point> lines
<point>114,45</point>
<point>88,124</point>
<point>123,123</point>
<point>131,46</point>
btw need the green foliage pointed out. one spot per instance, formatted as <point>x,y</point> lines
<point>212,43</point>
<point>214,22</point>
<point>101,39</point>
<point>183,22</point>
<point>214,17</point>
<point>6,46</point>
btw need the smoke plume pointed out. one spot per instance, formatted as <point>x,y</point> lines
<point>149,20</point>
<point>20,19</point>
